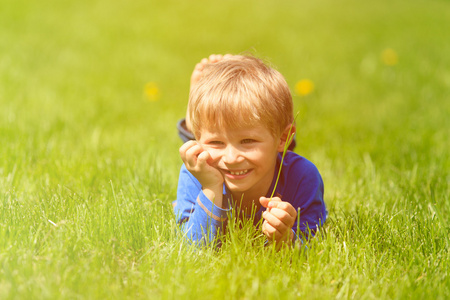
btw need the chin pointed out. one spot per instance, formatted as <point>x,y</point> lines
<point>235,188</point>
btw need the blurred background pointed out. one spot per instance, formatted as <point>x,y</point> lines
<point>103,83</point>
<point>90,94</point>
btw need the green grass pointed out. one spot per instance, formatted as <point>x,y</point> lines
<point>89,166</point>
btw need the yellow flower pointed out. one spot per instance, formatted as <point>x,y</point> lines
<point>151,91</point>
<point>389,57</point>
<point>304,87</point>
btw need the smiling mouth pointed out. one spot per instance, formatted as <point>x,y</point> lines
<point>240,172</point>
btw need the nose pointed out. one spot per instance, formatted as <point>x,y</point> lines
<point>232,155</point>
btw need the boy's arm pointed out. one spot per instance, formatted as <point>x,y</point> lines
<point>199,219</point>
<point>197,161</point>
<point>200,194</point>
<point>309,203</point>
<point>303,194</point>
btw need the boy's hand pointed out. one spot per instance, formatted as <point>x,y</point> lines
<point>198,161</point>
<point>278,219</point>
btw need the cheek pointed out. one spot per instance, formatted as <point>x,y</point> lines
<point>263,157</point>
<point>260,153</point>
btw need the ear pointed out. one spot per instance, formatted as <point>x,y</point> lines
<point>287,132</point>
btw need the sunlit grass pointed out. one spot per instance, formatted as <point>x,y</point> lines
<point>289,138</point>
<point>89,160</point>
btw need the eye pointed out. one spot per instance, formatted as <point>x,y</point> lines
<point>215,143</point>
<point>247,141</point>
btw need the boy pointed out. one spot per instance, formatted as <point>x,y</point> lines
<point>183,127</point>
<point>241,113</point>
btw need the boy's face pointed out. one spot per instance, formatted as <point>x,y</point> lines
<point>246,157</point>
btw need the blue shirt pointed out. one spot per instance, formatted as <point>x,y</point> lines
<point>300,184</point>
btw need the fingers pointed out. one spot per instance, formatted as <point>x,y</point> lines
<point>279,218</point>
<point>271,232</point>
<point>276,205</point>
<point>194,156</point>
<point>284,211</point>
<point>275,235</point>
<point>276,223</point>
<point>264,201</point>
<point>204,158</point>
<point>186,146</point>
<point>189,153</point>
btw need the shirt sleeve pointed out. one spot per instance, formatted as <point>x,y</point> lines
<point>308,200</point>
<point>199,219</point>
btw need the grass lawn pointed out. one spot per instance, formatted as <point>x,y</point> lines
<point>90,92</point>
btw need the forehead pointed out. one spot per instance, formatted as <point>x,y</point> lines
<point>247,131</point>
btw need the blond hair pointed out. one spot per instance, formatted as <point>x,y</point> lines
<point>240,91</point>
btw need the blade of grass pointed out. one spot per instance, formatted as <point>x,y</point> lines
<point>290,136</point>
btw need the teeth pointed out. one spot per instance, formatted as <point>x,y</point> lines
<point>239,172</point>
